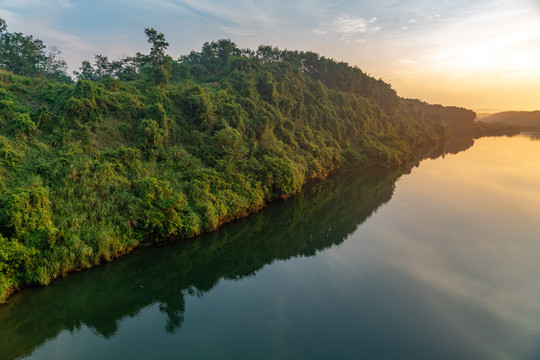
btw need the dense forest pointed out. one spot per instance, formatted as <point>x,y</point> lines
<point>151,148</point>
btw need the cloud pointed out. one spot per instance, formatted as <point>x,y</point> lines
<point>161,5</point>
<point>353,29</point>
<point>246,16</point>
<point>407,61</point>
<point>25,4</point>
<point>8,16</point>
<point>348,26</point>
<point>20,3</point>
<point>375,29</point>
<point>44,28</point>
<point>66,41</point>
<point>506,41</point>
<point>236,17</point>
<point>65,3</point>
<point>238,31</point>
<point>444,37</point>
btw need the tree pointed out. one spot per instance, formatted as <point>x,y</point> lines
<point>86,71</point>
<point>56,66</point>
<point>24,55</point>
<point>102,69</point>
<point>160,62</point>
<point>226,48</point>
<point>268,53</point>
<point>159,45</point>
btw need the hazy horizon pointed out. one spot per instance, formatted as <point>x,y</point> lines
<point>482,55</point>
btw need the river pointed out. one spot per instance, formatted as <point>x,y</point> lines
<point>439,259</point>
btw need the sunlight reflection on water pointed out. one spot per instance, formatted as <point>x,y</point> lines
<point>443,266</point>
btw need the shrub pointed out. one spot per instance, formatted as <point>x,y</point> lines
<point>26,214</point>
<point>162,208</point>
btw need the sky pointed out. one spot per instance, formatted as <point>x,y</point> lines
<point>480,54</point>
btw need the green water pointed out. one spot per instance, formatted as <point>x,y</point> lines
<point>439,261</point>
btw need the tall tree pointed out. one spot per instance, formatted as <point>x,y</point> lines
<point>159,61</point>
<point>22,55</point>
<point>159,45</point>
<point>25,55</point>
<point>86,71</point>
<point>56,66</point>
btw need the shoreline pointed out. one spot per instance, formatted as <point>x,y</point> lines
<point>419,154</point>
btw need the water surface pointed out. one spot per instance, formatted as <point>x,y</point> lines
<point>439,261</point>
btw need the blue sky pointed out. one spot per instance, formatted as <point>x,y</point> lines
<point>483,55</point>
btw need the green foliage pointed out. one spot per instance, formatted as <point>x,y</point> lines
<point>161,74</point>
<point>22,126</point>
<point>161,208</point>
<point>266,86</point>
<point>159,45</point>
<point>198,106</point>
<point>8,156</point>
<point>26,215</point>
<point>16,263</point>
<point>353,158</point>
<point>148,148</point>
<point>24,55</point>
<point>281,177</point>
<point>151,133</point>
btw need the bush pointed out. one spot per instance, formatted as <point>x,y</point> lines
<point>15,262</point>
<point>8,157</point>
<point>26,214</point>
<point>162,208</point>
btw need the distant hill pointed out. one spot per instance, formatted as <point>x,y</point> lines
<point>481,116</point>
<point>523,119</point>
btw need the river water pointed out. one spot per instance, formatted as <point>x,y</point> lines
<point>439,259</point>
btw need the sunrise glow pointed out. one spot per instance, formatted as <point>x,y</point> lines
<point>481,54</point>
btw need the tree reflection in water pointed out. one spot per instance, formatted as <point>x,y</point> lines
<point>321,216</point>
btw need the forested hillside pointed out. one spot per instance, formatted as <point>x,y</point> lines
<point>151,148</point>
<point>527,120</point>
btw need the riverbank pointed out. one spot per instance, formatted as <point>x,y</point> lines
<point>357,237</point>
<point>421,153</point>
<point>89,170</point>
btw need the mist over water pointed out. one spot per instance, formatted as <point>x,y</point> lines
<point>438,261</point>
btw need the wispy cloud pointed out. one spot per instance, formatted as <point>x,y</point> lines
<point>236,17</point>
<point>351,29</point>
<point>497,39</point>
<point>505,41</point>
<point>350,26</point>
<point>24,4</point>
<point>67,41</point>
<point>65,3</point>
<point>238,31</point>
<point>7,15</point>
<point>166,5</point>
